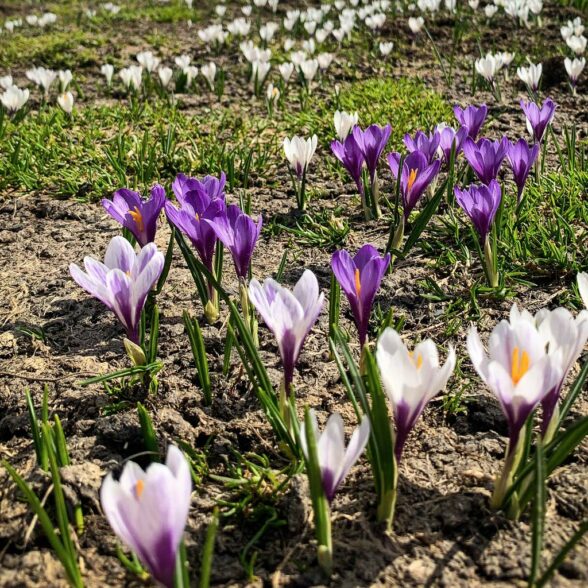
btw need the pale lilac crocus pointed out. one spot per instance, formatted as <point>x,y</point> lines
<point>360,278</point>
<point>123,281</point>
<point>410,379</point>
<point>290,315</point>
<point>335,460</point>
<point>485,157</point>
<point>239,234</point>
<point>450,138</point>
<point>538,118</point>
<point>210,187</point>
<point>137,215</point>
<point>472,117</point>
<point>349,154</point>
<point>426,144</point>
<point>148,511</point>
<point>416,176</point>
<point>521,158</point>
<point>520,372</point>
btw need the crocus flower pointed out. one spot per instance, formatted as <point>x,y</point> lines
<point>299,153</point>
<point>371,143</point>
<point>210,187</point>
<point>538,118</point>
<point>518,370</point>
<point>415,177</point>
<point>411,379</point>
<point>148,511</point>
<point>574,68</point>
<point>521,158</point>
<point>344,122</point>
<point>123,281</point>
<point>531,76</point>
<point>289,315</point>
<point>335,460</point>
<point>426,144</point>
<point>485,157</point>
<point>471,117</point>
<point>480,203</point>
<point>360,277</point>
<point>239,233</point>
<point>196,207</point>
<point>349,154</point>
<point>583,287</point>
<point>448,137</point>
<point>564,339</point>
<point>138,215</point>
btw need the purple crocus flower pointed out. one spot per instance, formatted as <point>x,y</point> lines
<point>123,281</point>
<point>415,178</point>
<point>148,511</point>
<point>335,460</point>
<point>239,234</point>
<point>210,187</point>
<point>360,277</point>
<point>371,143</point>
<point>472,117</point>
<point>480,203</point>
<point>521,158</point>
<point>138,215</point>
<point>350,155</point>
<point>289,315</point>
<point>424,143</point>
<point>485,157</point>
<point>197,207</point>
<point>538,118</point>
<point>449,136</point>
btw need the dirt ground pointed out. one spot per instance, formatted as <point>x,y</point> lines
<point>445,534</point>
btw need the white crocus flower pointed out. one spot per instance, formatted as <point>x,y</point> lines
<point>286,70</point>
<point>65,78</point>
<point>487,67</point>
<point>149,61</point>
<point>386,48</point>
<point>583,287</point>
<point>183,61</point>
<point>410,379</point>
<point>208,71</point>
<point>13,98</point>
<point>577,44</point>
<point>107,70</point>
<point>6,82</point>
<point>66,102</point>
<point>132,76</point>
<point>490,10</point>
<point>344,123</point>
<point>165,75</point>
<point>531,75</point>
<point>309,69</point>
<point>574,67</point>
<point>299,152</point>
<point>42,77</point>
<point>415,24</point>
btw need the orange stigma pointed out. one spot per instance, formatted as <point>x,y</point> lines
<point>519,365</point>
<point>139,487</point>
<point>412,178</point>
<point>357,283</point>
<point>138,218</point>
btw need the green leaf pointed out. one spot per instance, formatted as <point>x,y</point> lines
<point>573,393</point>
<point>538,520</point>
<point>208,551</point>
<point>149,436</point>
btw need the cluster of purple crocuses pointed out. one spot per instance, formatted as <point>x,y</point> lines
<point>125,279</point>
<point>416,171</point>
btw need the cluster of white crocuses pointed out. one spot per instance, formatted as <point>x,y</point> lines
<point>32,20</point>
<point>14,98</point>
<point>573,34</point>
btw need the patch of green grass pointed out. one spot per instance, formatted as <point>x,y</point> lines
<point>404,103</point>
<point>52,48</point>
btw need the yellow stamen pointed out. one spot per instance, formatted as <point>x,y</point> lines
<point>419,360</point>
<point>139,487</point>
<point>138,218</point>
<point>197,217</point>
<point>357,283</point>
<point>519,365</point>
<point>412,178</point>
